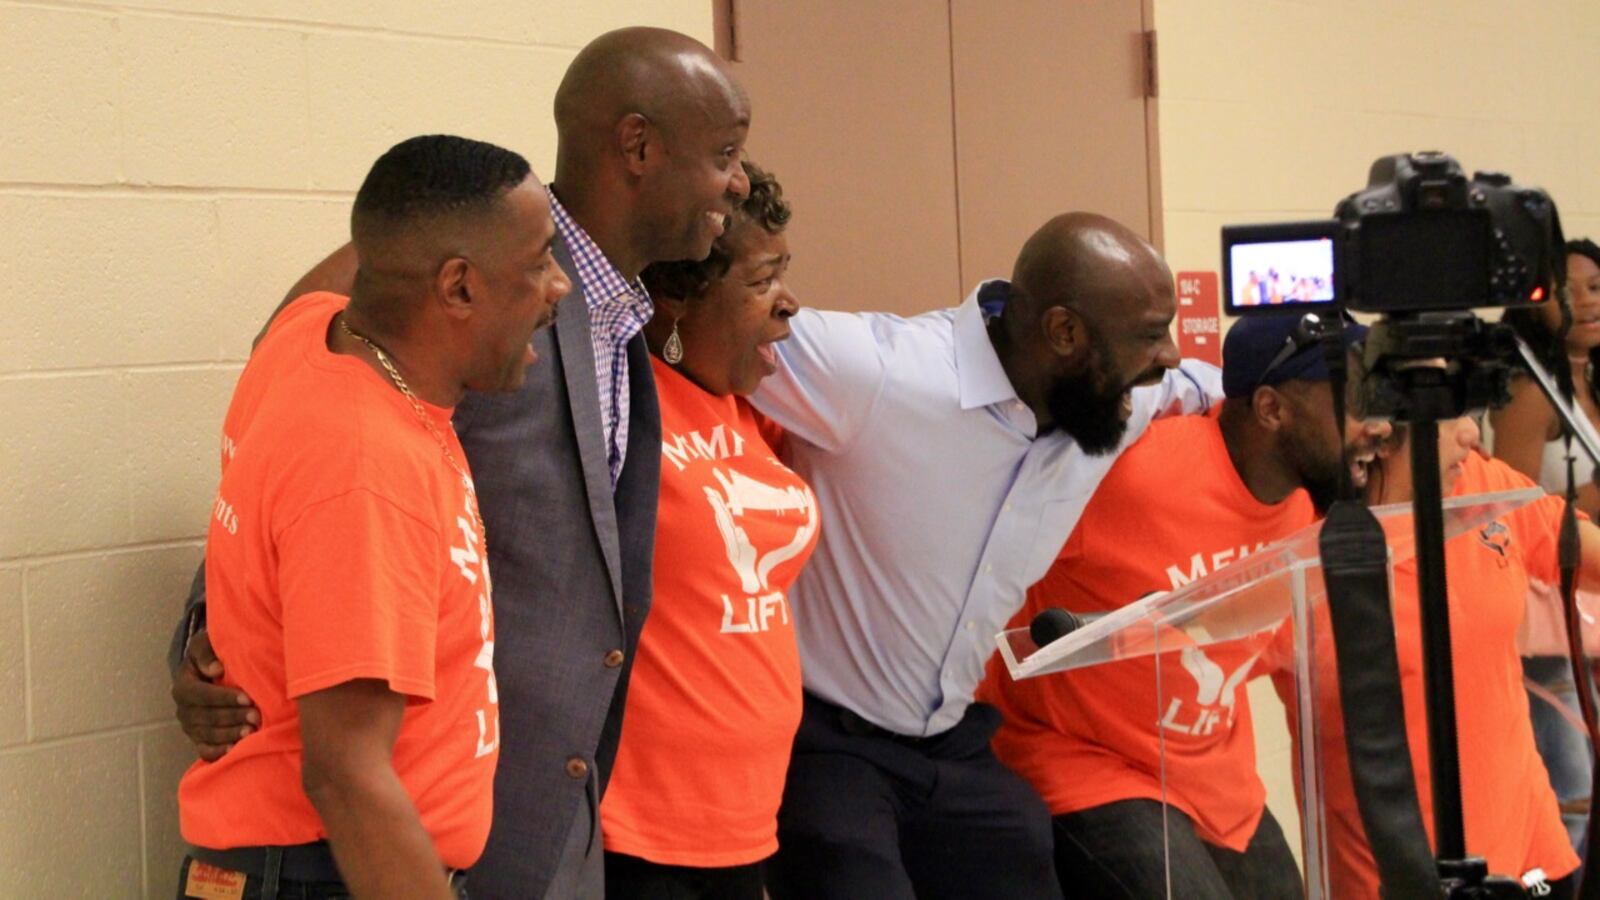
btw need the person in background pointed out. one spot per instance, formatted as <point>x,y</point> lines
<point>343,578</point>
<point>1146,804</point>
<point>1509,810</point>
<point>692,809</point>
<point>1527,435</point>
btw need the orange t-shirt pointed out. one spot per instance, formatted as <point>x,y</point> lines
<point>1509,810</point>
<point>342,546</point>
<point>714,701</point>
<point>1171,510</point>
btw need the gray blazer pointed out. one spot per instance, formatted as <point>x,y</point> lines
<point>570,561</point>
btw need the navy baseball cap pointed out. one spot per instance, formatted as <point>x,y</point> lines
<point>1269,350</point>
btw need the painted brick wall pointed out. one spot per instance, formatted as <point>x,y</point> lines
<point>169,167</point>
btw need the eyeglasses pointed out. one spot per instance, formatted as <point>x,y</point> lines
<point>1306,334</point>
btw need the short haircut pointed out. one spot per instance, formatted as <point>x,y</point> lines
<point>687,279</point>
<point>432,175</point>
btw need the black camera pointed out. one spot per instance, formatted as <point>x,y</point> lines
<point>1420,237</point>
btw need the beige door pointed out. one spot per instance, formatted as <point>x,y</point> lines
<point>922,140</point>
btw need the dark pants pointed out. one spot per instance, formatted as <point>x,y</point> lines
<point>868,814</point>
<point>1116,850</point>
<point>276,888</point>
<point>632,878</point>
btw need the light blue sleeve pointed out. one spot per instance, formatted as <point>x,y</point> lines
<point>830,372</point>
<point>1193,387</point>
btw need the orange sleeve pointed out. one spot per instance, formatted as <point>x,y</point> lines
<point>359,582</point>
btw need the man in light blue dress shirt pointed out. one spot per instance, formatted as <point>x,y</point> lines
<point>951,454</point>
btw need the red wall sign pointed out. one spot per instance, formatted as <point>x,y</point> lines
<point>1199,317</point>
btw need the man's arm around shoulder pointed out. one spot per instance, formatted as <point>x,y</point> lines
<point>830,372</point>
<point>1193,387</point>
<point>378,841</point>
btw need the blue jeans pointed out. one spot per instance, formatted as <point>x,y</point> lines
<point>1565,749</point>
<point>256,889</point>
<point>1116,851</point>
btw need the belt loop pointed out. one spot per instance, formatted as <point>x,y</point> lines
<point>269,876</point>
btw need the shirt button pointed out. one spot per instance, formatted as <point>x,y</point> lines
<point>971,625</point>
<point>613,659</point>
<point>988,567</point>
<point>1006,508</point>
<point>577,768</point>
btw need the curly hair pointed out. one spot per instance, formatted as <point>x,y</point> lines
<point>688,279</point>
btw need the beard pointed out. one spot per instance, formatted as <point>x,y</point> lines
<point>1088,407</point>
<point>1318,475</point>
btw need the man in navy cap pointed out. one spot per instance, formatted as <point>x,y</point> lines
<point>1126,752</point>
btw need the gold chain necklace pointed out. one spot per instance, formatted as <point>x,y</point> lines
<point>427,422</point>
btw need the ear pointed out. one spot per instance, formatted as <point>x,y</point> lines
<point>1065,331</point>
<point>1271,408</point>
<point>672,308</point>
<point>457,286</point>
<point>636,138</point>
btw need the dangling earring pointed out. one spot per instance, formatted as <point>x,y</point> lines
<point>672,351</point>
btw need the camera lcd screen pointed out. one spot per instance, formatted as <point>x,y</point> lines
<point>1267,267</point>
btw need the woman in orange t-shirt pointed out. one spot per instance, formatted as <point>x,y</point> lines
<point>1509,811</point>
<point>713,705</point>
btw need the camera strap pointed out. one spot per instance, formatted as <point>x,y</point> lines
<point>1355,570</point>
<point>1568,553</point>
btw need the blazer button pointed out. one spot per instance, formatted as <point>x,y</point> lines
<point>613,659</point>
<point>577,768</point>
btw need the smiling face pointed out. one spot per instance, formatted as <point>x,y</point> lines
<point>1583,293</point>
<point>518,285</point>
<point>696,181</point>
<point>730,331</point>
<point>1317,451</point>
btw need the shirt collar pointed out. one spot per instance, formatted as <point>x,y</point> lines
<point>601,281</point>
<point>982,379</point>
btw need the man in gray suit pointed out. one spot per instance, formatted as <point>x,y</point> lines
<point>651,125</point>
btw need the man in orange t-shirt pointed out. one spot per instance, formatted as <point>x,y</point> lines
<point>1193,495</point>
<point>1509,812</point>
<point>345,573</point>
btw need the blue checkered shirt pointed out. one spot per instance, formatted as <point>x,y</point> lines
<point>617,311</point>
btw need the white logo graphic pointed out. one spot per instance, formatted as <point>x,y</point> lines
<point>739,495</point>
<point>1214,697</point>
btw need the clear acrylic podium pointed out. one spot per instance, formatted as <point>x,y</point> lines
<point>1271,597</point>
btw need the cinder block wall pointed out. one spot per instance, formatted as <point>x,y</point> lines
<point>1272,110</point>
<point>169,167</point>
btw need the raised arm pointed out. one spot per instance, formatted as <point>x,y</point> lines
<point>830,372</point>
<point>336,274</point>
<point>377,837</point>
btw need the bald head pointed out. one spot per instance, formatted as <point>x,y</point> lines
<point>671,79</point>
<point>1087,263</point>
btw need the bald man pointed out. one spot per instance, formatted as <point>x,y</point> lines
<point>951,454</point>
<point>650,126</point>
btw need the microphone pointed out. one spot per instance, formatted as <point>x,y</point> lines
<point>1055,623</point>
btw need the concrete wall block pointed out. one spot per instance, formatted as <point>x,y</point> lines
<point>575,24</point>
<point>252,283</point>
<point>165,754</point>
<point>213,104</point>
<point>354,13</point>
<point>59,102</point>
<point>110,281</point>
<point>63,464</point>
<point>71,823</point>
<point>359,85</point>
<point>173,469</point>
<point>13,668</point>
<point>98,630</point>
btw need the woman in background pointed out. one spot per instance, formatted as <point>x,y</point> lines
<point>1527,436</point>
